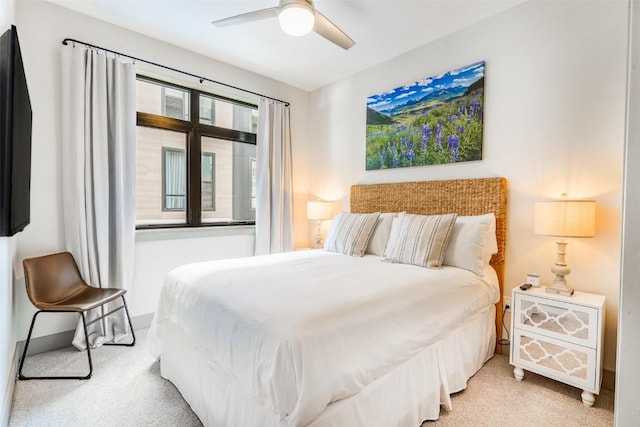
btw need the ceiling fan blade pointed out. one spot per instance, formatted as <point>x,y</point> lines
<point>331,32</point>
<point>256,15</point>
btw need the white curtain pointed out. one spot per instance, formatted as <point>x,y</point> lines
<point>98,177</point>
<point>274,196</point>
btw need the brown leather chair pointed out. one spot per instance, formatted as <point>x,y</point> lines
<point>54,284</point>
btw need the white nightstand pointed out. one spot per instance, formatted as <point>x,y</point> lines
<point>559,337</point>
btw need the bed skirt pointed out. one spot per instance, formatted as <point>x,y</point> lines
<point>411,393</point>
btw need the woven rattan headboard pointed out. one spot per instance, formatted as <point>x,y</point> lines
<point>462,196</point>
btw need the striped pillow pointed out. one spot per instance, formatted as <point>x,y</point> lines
<point>350,233</point>
<point>422,239</point>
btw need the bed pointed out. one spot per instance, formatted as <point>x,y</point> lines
<point>326,339</point>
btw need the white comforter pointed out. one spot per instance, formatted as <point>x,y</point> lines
<point>303,329</point>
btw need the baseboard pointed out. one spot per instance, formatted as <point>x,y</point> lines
<point>608,380</point>
<point>63,339</point>
<point>142,322</point>
<point>8,395</point>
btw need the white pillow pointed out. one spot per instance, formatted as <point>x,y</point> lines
<point>393,236</point>
<point>350,233</point>
<point>422,239</point>
<point>473,243</point>
<point>380,237</point>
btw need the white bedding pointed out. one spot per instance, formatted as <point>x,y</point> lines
<point>300,330</point>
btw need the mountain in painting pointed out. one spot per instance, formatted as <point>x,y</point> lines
<point>376,118</point>
<point>439,96</point>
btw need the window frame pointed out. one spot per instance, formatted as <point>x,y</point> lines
<point>194,131</point>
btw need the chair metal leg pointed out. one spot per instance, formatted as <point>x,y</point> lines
<point>86,337</point>
<point>26,346</point>
<point>133,335</point>
<point>86,341</point>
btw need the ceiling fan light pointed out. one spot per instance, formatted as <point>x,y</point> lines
<point>296,19</point>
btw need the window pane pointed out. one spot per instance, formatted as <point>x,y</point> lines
<point>163,100</point>
<point>208,179</point>
<point>174,168</point>
<point>161,173</point>
<point>206,110</point>
<point>232,180</point>
<point>225,114</point>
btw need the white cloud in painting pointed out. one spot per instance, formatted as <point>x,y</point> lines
<point>464,81</point>
<point>406,94</point>
<point>381,103</point>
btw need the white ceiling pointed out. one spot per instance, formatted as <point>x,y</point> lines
<point>382,29</point>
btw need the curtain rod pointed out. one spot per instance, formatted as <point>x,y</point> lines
<point>202,79</point>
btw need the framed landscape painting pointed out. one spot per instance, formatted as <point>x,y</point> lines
<point>433,121</point>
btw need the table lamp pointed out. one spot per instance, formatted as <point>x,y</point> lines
<point>564,218</point>
<point>319,211</point>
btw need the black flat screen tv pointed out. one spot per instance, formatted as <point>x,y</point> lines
<point>15,138</point>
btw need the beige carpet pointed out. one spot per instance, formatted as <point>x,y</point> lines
<point>127,390</point>
<point>494,398</point>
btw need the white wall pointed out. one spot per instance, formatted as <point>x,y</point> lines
<point>627,411</point>
<point>7,329</point>
<point>554,123</point>
<point>42,28</point>
<point>7,257</point>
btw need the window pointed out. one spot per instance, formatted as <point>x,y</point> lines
<point>195,155</point>
<point>175,103</point>
<point>208,181</point>
<point>174,179</point>
<point>222,113</point>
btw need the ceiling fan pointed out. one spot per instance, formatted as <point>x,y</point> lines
<point>297,18</point>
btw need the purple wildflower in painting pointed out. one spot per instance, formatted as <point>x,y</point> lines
<point>454,143</point>
<point>426,133</point>
<point>410,156</point>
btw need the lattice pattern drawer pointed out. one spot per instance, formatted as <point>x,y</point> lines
<point>555,319</point>
<point>567,362</point>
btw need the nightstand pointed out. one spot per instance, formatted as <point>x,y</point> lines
<point>559,337</point>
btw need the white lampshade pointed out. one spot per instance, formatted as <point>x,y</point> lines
<point>297,18</point>
<point>566,218</point>
<point>318,210</point>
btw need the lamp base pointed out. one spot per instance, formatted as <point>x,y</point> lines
<point>566,291</point>
<point>561,270</point>
<point>318,236</point>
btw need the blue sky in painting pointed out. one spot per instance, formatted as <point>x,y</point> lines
<point>461,77</point>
